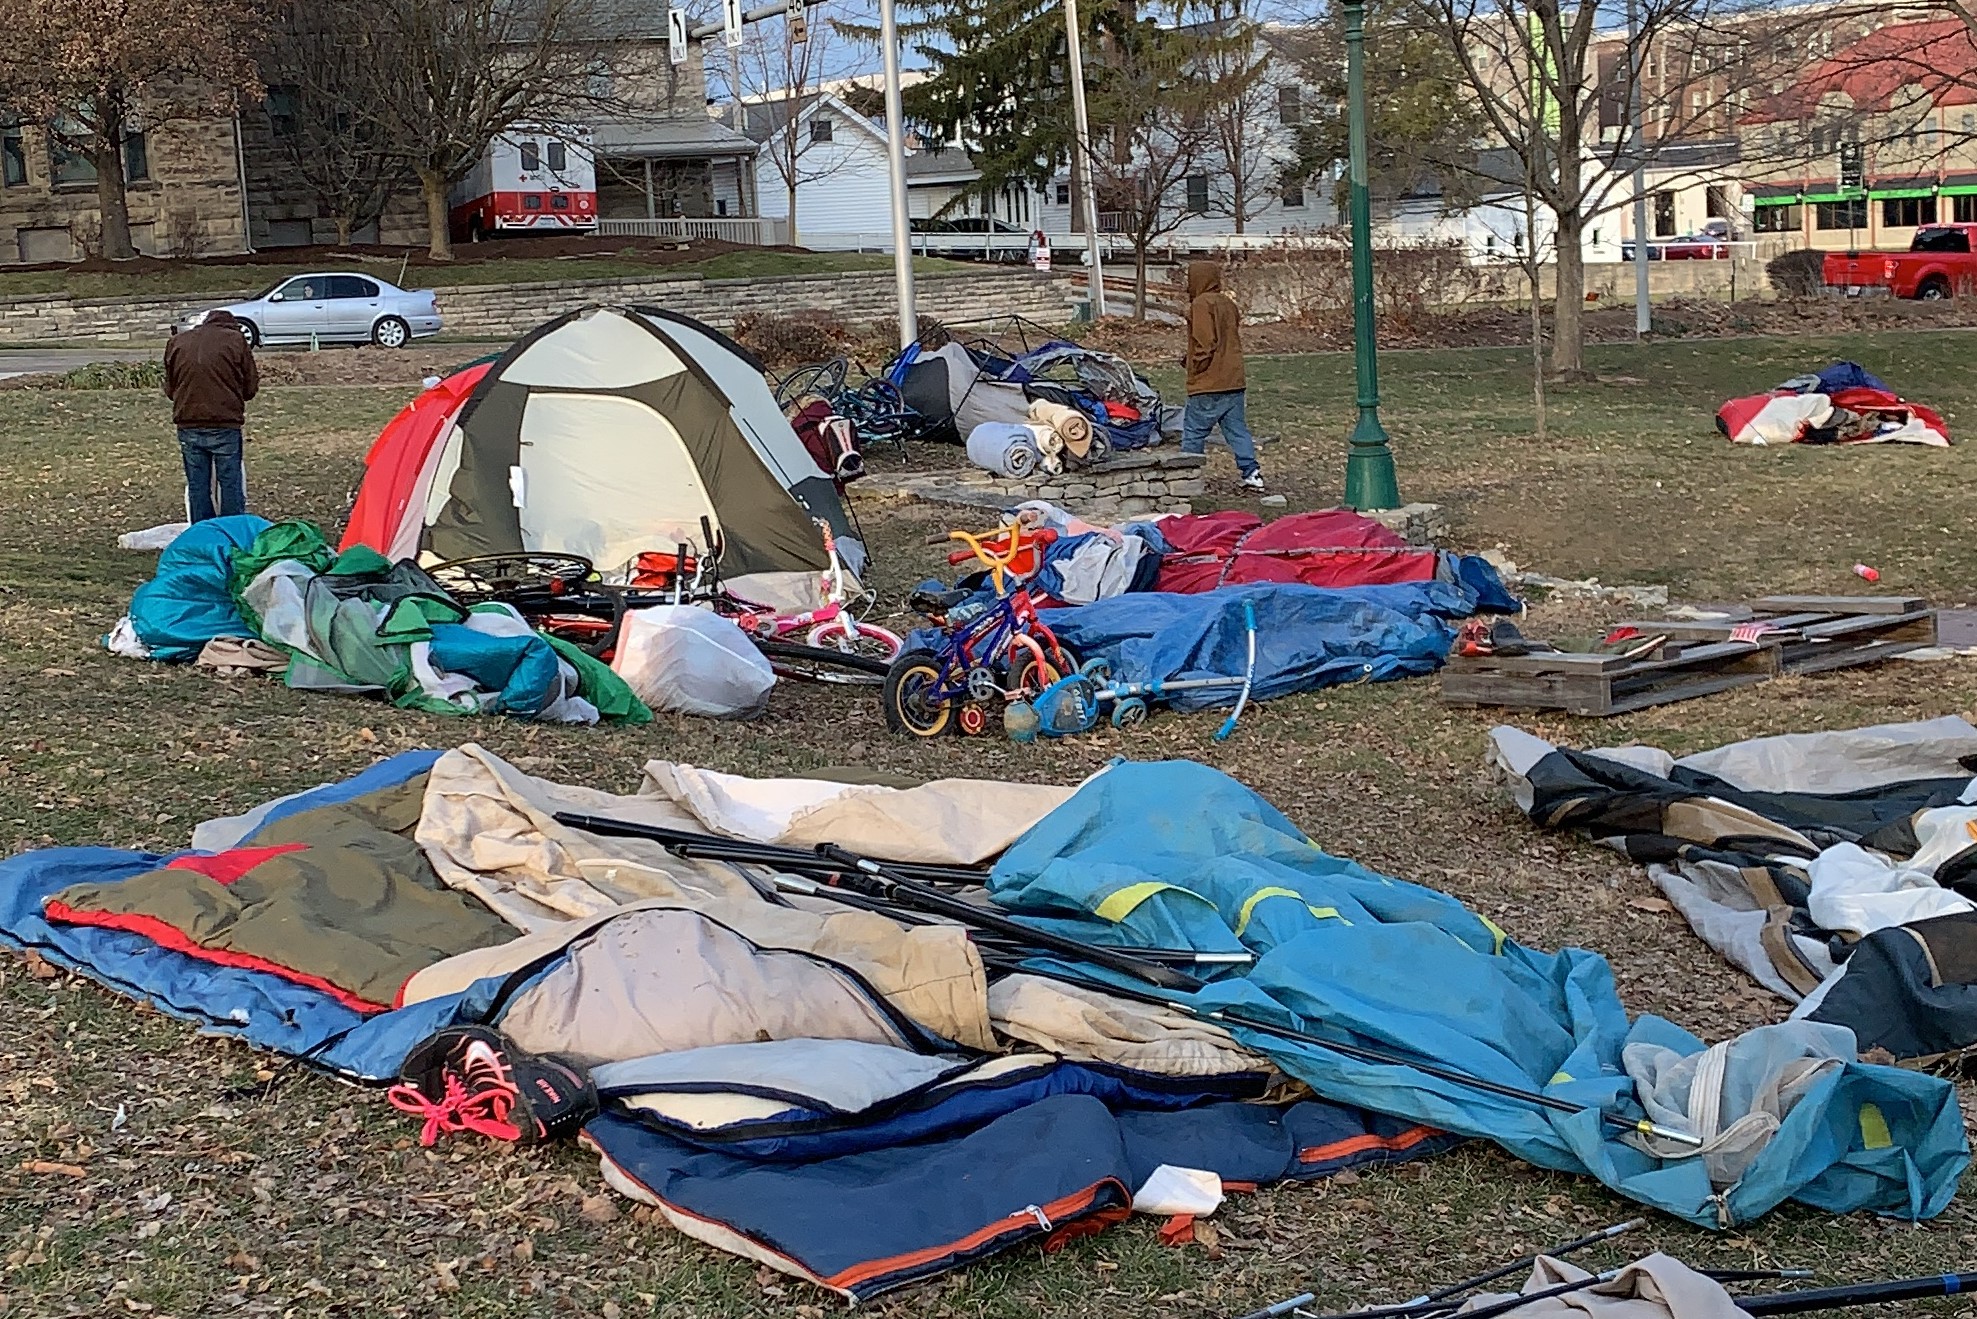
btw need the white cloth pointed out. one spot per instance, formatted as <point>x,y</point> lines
<point>1857,891</point>
<point>1170,1190</point>
<point>152,538</point>
<point>692,661</point>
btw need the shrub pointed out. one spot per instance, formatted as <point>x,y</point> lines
<point>1797,274</point>
<point>784,341</point>
<point>115,375</point>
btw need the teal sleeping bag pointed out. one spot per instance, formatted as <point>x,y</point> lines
<point>189,600</point>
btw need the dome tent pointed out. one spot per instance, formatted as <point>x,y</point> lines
<point>607,433</point>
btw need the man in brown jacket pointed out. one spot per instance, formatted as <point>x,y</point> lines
<point>1215,373</point>
<point>209,376</point>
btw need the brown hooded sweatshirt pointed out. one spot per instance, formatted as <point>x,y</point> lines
<point>210,374</point>
<point>1214,333</point>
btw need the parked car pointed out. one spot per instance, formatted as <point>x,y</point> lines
<point>331,308</point>
<point>1939,264</point>
<point>1709,243</point>
<point>972,237</point>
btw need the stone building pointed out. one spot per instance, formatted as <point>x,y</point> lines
<point>184,193</point>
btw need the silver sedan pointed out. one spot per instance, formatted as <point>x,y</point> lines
<point>331,308</point>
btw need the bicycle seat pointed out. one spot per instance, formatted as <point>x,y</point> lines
<point>937,602</point>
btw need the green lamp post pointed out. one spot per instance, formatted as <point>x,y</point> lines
<point>1369,465</point>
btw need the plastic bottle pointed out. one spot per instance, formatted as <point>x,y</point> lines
<point>1865,573</point>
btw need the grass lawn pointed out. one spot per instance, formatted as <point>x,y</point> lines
<point>217,277</point>
<point>319,1202</point>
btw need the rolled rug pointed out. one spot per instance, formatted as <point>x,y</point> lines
<point>1072,425</point>
<point>1053,464</point>
<point>1005,448</point>
<point>1048,440</point>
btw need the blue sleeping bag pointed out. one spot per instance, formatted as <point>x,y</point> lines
<point>188,601</point>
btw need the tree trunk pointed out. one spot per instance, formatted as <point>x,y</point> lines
<point>432,185</point>
<point>1568,326</point>
<point>1238,195</point>
<point>343,231</point>
<point>106,152</point>
<point>790,238</point>
<point>1139,280</point>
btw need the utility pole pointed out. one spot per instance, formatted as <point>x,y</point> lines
<point>902,228</point>
<point>1369,464</point>
<point>1081,160</point>
<point>1643,312</point>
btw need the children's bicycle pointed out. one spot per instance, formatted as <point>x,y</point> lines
<point>831,626</point>
<point>992,653</point>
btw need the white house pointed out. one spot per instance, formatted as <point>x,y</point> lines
<point>835,156</point>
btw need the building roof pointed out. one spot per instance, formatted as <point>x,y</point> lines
<point>951,165</point>
<point>668,137</point>
<point>1888,68</point>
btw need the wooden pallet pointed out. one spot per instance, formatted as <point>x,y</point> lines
<point>1815,634</point>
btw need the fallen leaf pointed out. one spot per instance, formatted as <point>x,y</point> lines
<point>39,967</point>
<point>1656,905</point>
<point>598,1209</point>
<point>524,1250</point>
<point>610,1310</point>
<point>1208,1237</point>
<point>43,1168</point>
<point>447,1282</point>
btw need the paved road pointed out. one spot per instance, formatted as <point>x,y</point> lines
<point>24,361</point>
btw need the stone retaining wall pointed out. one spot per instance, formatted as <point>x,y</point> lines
<point>506,310</point>
<point>1127,486</point>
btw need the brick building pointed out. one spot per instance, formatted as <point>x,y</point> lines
<point>184,192</point>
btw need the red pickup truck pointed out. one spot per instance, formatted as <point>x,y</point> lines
<point>1940,263</point>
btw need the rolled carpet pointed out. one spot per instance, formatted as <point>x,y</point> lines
<point>1074,426</point>
<point>1005,448</point>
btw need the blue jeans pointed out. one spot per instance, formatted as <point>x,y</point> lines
<point>1207,411</point>
<point>213,460</point>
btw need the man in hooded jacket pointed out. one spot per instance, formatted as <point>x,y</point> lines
<point>1216,383</point>
<point>209,377</point>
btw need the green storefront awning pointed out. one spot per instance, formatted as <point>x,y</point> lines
<point>1879,193</point>
<point>1784,199</point>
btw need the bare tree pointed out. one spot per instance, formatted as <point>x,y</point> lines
<point>1236,59</point>
<point>101,73</point>
<point>1534,81</point>
<point>791,73</point>
<point>1153,137</point>
<point>317,65</point>
<point>449,76</point>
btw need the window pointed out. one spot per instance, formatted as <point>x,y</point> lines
<point>820,129</point>
<point>283,104</point>
<point>1715,201</point>
<point>1063,194</point>
<point>1941,240</point>
<point>1664,215</point>
<point>1197,194</point>
<point>557,155</point>
<point>1290,105</point>
<point>13,157</point>
<point>306,289</point>
<point>137,158</point>
<point>68,166</point>
<point>1969,122</point>
<point>532,201</point>
<point>1907,212</point>
<point>531,157</point>
<point>1695,102</point>
<point>1963,208</point>
<point>559,202</point>
<point>1840,215</point>
<point>1293,196</point>
<point>720,206</point>
<point>350,286</point>
<point>1778,219</point>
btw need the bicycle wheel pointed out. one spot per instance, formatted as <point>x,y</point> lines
<point>871,641</point>
<point>821,663</point>
<point>824,379</point>
<point>906,704</point>
<point>1029,674</point>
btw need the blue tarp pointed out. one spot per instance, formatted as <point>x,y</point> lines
<point>1306,636</point>
<point>189,601</point>
<point>1176,854</point>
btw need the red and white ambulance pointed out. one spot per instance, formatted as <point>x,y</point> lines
<point>530,179</point>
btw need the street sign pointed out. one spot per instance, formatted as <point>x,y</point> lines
<point>796,19</point>
<point>1852,175</point>
<point>676,37</point>
<point>731,21</point>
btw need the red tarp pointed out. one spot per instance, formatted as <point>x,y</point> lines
<point>1334,547</point>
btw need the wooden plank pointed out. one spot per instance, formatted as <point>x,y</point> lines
<point>1686,691</point>
<point>1840,604</point>
<point>1852,657</point>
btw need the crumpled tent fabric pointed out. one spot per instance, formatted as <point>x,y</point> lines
<point>1840,404</point>
<point>1654,1287</point>
<point>188,601</point>
<point>1329,547</point>
<point>337,897</point>
<point>1341,948</point>
<point>1306,637</point>
<point>1781,851</point>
